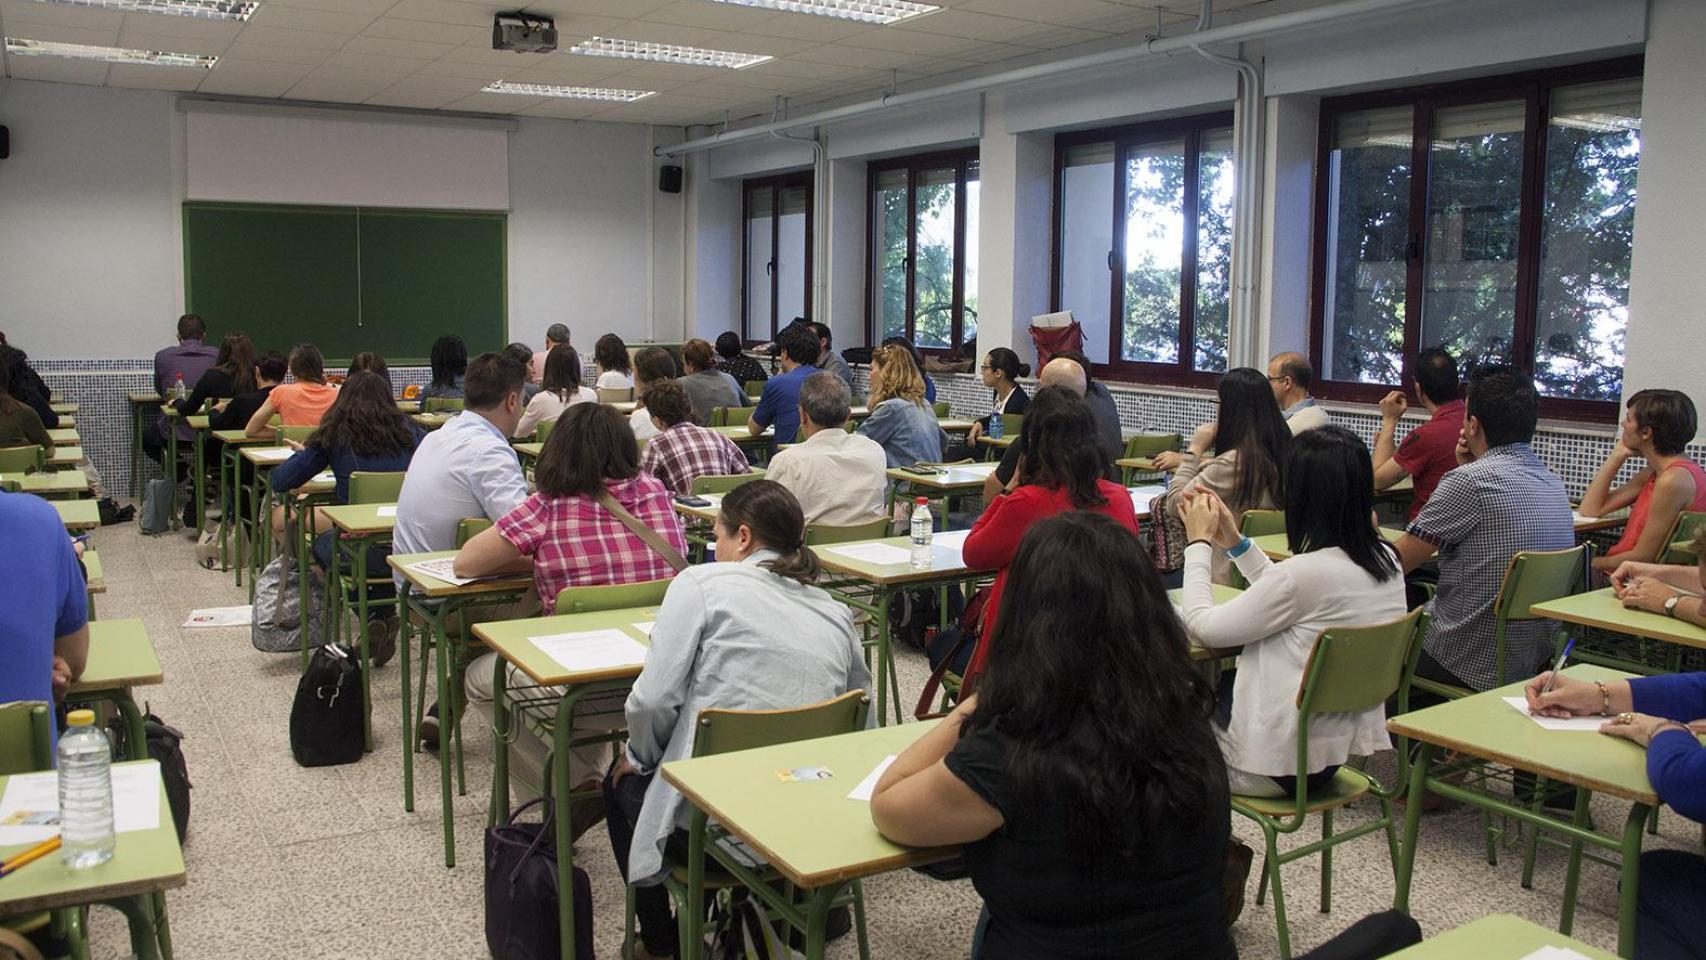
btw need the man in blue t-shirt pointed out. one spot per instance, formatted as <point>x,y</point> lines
<point>780,403</point>
<point>44,603</point>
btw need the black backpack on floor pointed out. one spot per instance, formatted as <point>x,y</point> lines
<point>521,891</point>
<point>164,747</point>
<point>325,719</point>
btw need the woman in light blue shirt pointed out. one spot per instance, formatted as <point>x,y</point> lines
<point>899,420</point>
<point>749,632</point>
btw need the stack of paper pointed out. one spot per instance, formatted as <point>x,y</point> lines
<point>881,554</point>
<point>444,568</point>
<point>951,540</point>
<point>592,650</point>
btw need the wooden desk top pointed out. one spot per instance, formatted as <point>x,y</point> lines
<point>361,519</point>
<point>512,639</point>
<point>64,437</point>
<point>1496,937</point>
<point>436,588</point>
<point>57,483</point>
<point>77,514</point>
<point>65,456</point>
<point>970,476</point>
<point>97,575</point>
<point>1602,609</point>
<point>120,655</point>
<point>945,564</point>
<point>144,396</point>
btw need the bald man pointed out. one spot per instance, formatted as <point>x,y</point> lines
<point>1071,371</point>
<point>1289,374</point>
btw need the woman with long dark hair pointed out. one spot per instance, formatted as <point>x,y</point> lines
<point>20,425</point>
<point>232,374</point>
<point>1082,778</point>
<point>749,632</point>
<point>1001,371</point>
<point>1060,471</point>
<point>615,367</point>
<point>560,389</point>
<point>1341,573</point>
<point>449,362</point>
<point>372,363</point>
<point>1238,458</point>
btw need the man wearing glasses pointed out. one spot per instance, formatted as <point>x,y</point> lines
<point>1289,375</point>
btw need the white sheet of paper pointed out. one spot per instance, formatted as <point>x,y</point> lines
<point>953,539</point>
<point>220,617</point>
<point>136,801</point>
<point>325,476</point>
<point>390,511</point>
<point>878,553</point>
<point>1141,496</point>
<point>645,628</point>
<point>273,454</point>
<point>443,568</point>
<point>592,650</point>
<point>868,785</point>
<point>1555,953</point>
<point>1575,724</point>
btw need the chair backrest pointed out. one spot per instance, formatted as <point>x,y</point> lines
<point>441,405</point>
<point>1356,668</point>
<point>1150,444</point>
<point>1680,544</point>
<point>1536,576</point>
<point>299,434</point>
<point>616,596</point>
<point>1011,424</point>
<point>26,737</point>
<point>722,484</point>
<point>944,409</point>
<point>469,527</point>
<point>754,388</point>
<point>719,417</point>
<point>615,394</point>
<point>1260,523</point>
<point>725,731</point>
<point>374,487</point>
<point>543,431</point>
<point>823,533</point>
<point>10,486</point>
<point>22,459</point>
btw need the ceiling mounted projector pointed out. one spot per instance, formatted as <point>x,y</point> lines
<point>524,33</point>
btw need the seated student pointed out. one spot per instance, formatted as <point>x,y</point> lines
<point>1670,589</point>
<point>556,335</point>
<point>524,353</point>
<point>838,477</point>
<point>652,366</point>
<point>1082,778</point>
<point>749,632</point>
<point>560,390</point>
<point>1062,471</point>
<point>19,424</point>
<point>708,387</point>
<point>907,429</point>
<point>1001,371</point>
<point>449,368</point>
<point>1660,714</point>
<point>363,431</point>
<point>1430,450</point>
<point>44,623</point>
<point>462,470</point>
<point>1659,424</point>
<point>1341,573</point>
<point>574,540</point>
<point>918,360</point>
<point>827,359</point>
<point>299,404</point>
<point>372,363</point>
<point>735,363</point>
<point>235,413</point>
<point>683,451</point>
<point>232,373</point>
<point>1500,501</point>
<point>1289,375</point>
<point>1239,457</point>
<point>1071,370</point>
<point>186,362</point>
<point>615,367</point>
<point>27,385</point>
<point>780,404</point>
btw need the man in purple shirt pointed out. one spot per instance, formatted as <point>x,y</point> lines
<point>189,359</point>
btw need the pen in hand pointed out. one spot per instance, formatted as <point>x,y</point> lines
<point>1556,667</point>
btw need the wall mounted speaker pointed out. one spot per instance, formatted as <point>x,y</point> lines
<point>5,143</point>
<point>669,178</point>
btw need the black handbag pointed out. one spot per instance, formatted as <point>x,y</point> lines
<point>521,891</point>
<point>325,719</point>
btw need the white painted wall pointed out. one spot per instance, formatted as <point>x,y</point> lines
<point>88,218</point>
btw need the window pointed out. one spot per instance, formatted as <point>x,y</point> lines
<point>922,281</point>
<point>776,278</point>
<point>1491,218</point>
<point>1143,245</point>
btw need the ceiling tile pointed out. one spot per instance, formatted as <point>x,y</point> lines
<point>422,82</point>
<point>492,103</point>
<point>286,37</point>
<point>805,26</point>
<point>647,31</point>
<point>252,70</point>
<point>57,71</point>
<point>441,11</point>
<point>334,91</point>
<point>716,16</point>
<point>372,8</point>
<point>387,47</point>
<point>241,86</point>
<point>563,109</point>
<point>155,78</point>
<point>59,33</point>
<point>416,99</point>
<point>374,63</point>
<point>455,68</point>
<point>269,53</point>
<point>581,71</point>
<point>623,9</point>
<point>165,26</point>
<point>14,11</point>
<point>394,28</point>
<point>304,18</point>
<point>142,41</point>
<point>976,26</point>
<point>499,59</point>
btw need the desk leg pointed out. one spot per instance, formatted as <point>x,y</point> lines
<point>172,466</point>
<point>225,510</point>
<point>817,920</point>
<point>360,567</point>
<point>135,449</point>
<point>405,634</point>
<point>198,481</point>
<point>694,948</point>
<point>499,813</point>
<point>144,935</point>
<point>1628,888</point>
<point>1573,869</point>
<point>881,596</point>
<point>562,736</point>
<point>446,719</point>
<point>1412,823</point>
<point>304,546</point>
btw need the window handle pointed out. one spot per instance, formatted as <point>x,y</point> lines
<point>1413,249</point>
<point>769,268</point>
<point>1112,267</point>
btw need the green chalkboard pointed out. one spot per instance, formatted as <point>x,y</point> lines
<point>348,279</point>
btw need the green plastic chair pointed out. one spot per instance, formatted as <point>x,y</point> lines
<point>615,394</point>
<point>1261,523</point>
<point>441,405</point>
<point>1681,539</point>
<point>719,417</point>
<point>722,484</point>
<point>819,534</point>
<point>9,486</point>
<point>542,433</point>
<point>26,746</point>
<point>944,409</point>
<point>299,434</point>
<point>754,388</point>
<point>727,731</point>
<point>1350,669</point>
<point>22,459</point>
<point>372,487</point>
<point>616,596</point>
<point>468,528</point>
<point>1148,445</point>
<point>1011,424</point>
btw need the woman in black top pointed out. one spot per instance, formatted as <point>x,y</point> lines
<point>1001,371</point>
<point>735,363</point>
<point>232,374</point>
<point>1083,777</point>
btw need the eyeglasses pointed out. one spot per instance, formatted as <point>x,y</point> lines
<point>986,368</point>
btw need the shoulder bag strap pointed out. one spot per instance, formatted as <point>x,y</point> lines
<point>652,538</point>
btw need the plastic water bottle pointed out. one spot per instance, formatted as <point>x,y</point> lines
<point>178,391</point>
<point>85,792</point>
<point>996,426</point>
<point>922,528</point>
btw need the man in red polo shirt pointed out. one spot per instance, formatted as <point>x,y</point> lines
<point>1430,450</point>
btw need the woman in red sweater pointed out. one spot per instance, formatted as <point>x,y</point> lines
<point>1061,470</point>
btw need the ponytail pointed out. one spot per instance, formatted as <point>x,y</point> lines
<point>766,508</point>
<point>799,564</point>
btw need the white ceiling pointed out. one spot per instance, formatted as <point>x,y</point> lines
<point>436,54</point>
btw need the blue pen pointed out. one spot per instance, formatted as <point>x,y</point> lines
<point>1562,656</point>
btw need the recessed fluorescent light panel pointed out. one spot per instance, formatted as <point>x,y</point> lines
<point>571,93</point>
<point>864,11</point>
<point>202,9</point>
<point>77,51</point>
<point>667,53</point>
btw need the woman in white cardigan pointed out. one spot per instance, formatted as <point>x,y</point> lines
<point>1341,573</point>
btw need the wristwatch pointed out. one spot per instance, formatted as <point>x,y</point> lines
<point>1670,605</point>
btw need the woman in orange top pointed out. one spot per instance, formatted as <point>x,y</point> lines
<point>1658,425</point>
<point>299,404</point>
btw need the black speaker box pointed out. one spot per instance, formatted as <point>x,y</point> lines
<point>5,143</point>
<point>669,178</point>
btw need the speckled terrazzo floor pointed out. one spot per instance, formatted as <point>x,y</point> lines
<point>286,862</point>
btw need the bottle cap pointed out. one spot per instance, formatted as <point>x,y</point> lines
<point>922,501</point>
<point>80,718</point>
